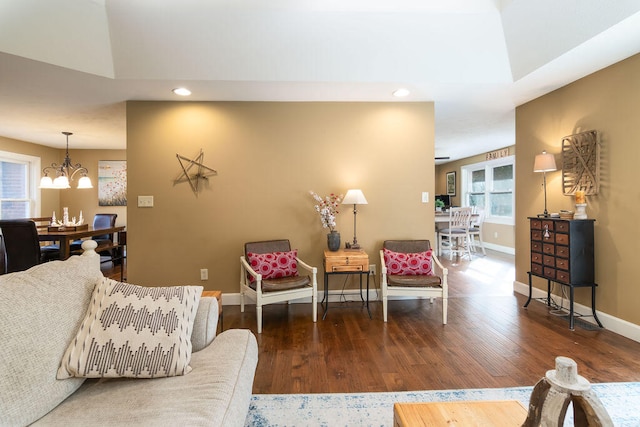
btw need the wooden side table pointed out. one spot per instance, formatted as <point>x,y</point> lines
<point>503,413</point>
<point>217,295</point>
<point>345,261</point>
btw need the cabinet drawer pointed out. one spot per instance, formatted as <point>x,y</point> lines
<point>536,247</point>
<point>548,225</point>
<point>536,235</point>
<point>549,261</point>
<point>536,269</point>
<point>562,263</point>
<point>562,251</point>
<point>563,276</point>
<point>344,260</point>
<point>548,248</point>
<point>536,224</point>
<point>562,226</point>
<point>549,237</point>
<point>536,257</point>
<point>549,272</point>
<point>343,268</point>
<point>562,239</point>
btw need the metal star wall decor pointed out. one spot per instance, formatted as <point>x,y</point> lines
<point>202,172</point>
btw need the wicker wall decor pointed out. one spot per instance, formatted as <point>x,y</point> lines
<point>201,175</point>
<point>581,163</point>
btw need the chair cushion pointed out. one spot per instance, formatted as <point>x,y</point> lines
<point>283,283</point>
<point>413,281</point>
<point>273,265</point>
<point>454,231</point>
<point>133,331</point>
<point>49,253</point>
<point>419,263</point>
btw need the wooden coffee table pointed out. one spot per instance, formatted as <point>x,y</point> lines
<point>459,414</point>
<point>217,295</point>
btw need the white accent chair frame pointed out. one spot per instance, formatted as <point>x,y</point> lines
<point>431,290</point>
<point>263,298</point>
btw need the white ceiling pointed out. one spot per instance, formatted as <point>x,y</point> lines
<point>69,65</point>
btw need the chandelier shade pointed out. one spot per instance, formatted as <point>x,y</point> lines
<point>63,174</point>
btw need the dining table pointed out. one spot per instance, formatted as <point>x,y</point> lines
<point>67,235</point>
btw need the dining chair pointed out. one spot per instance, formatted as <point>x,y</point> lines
<point>455,237</point>
<point>269,274</point>
<point>100,220</point>
<point>475,230</point>
<point>22,246</point>
<point>409,268</point>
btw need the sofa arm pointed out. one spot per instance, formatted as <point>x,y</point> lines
<point>205,324</point>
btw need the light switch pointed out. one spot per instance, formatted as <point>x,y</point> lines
<point>425,197</point>
<point>145,201</point>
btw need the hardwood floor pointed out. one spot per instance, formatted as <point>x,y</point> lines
<point>490,341</point>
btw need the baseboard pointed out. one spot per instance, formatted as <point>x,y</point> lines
<point>334,296</point>
<point>614,324</point>
<point>499,248</point>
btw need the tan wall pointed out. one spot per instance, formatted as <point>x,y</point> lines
<point>76,200</point>
<point>501,235</point>
<point>268,156</point>
<point>607,101</point>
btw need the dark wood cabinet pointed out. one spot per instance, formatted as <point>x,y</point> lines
<point>562,251</point>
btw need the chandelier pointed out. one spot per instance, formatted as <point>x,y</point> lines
<point>64,173</point>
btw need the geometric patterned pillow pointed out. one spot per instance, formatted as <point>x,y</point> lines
<point>408,264</point>
<point>273,265</point>
<point>133,331</point>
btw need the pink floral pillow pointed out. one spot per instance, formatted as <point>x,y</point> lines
<point>408,264</point>
<point>274,264</point>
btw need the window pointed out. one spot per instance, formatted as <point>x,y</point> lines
<point>490,185</point>
<point>19,195</point>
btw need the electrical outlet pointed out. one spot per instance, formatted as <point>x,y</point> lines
<point>372,269</point>
<point>204,274</point>
<point>145,201</point>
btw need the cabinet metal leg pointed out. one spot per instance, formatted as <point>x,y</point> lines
<point>593,305</point>
<point>571,308</point>
<point>530,286</point>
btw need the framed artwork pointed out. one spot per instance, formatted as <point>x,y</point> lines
<point>112,183</point>
<point>451,183</point>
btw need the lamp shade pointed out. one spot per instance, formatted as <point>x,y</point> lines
<point>544,162</point>
<point>61,182</point>
<point>354,197</point>
<point>46,182</point>
<point>85,182</point>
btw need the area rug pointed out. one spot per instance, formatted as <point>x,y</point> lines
<point>622,401</point>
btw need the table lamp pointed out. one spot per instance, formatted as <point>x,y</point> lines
<point>544,163</point>
<point>354,197</point>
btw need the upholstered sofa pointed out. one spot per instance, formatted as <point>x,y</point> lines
<point>41,310</point>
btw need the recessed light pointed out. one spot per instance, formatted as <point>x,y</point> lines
<point>182,91</point>
<point>401,92</point>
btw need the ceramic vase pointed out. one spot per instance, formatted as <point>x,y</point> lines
<point>333,241</point>
<point>580,211</point>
